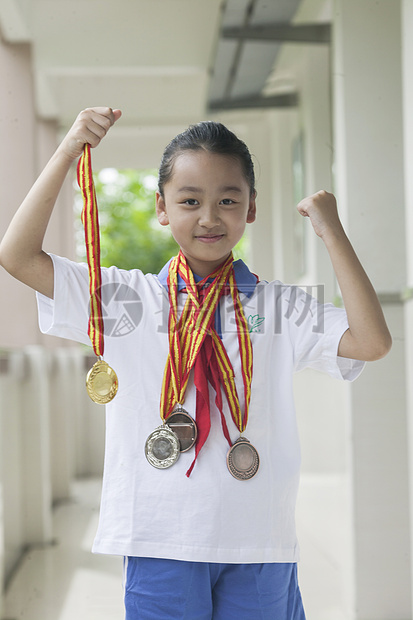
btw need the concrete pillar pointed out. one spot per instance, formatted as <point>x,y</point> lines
<point>370,188</point>
<point>25,147</point>
<point>25,516</point>
<point>61,422</point>
<point>59,238</point>
<point>10,495</point>
<point>11,380</point>
<point>18,323</point>
<point>284,131</point>
<point>303,157</point>
<point>260,232</point>
<point>407,47</point>
<point>254,128</point>
<point>81,450</point>
<point>315,114</point>
<point>35,437</point>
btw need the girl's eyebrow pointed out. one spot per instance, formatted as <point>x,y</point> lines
<point>225,188</point>
<point>189,188</point>
<point>231,188</point>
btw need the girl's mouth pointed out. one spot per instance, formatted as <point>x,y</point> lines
<point>209,238</point>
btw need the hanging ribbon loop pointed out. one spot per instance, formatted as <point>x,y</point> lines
<point>194,343</point>
<point>90,222</point>
<point>101,381</point>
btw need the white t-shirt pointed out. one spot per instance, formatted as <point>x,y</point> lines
<point>210,516</point>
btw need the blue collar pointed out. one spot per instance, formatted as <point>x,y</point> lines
<point>246,281</point>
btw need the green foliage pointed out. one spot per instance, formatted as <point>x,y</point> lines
<point>130,234</point>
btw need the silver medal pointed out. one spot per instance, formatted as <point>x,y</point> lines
<point>162,448</point>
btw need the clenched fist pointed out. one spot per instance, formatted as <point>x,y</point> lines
<point>90,126</point>
<point>321,208</point>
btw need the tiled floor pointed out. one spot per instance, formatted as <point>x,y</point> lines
<point>324,542</point>
<point>67,582</point>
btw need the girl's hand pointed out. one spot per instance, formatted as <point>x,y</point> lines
<point>90,127</point>
<point>321,208</point>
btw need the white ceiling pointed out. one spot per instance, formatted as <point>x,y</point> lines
<point>152,58</point>
<point>160,61</point>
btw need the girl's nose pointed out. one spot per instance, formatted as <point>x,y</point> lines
<point>209,216</point>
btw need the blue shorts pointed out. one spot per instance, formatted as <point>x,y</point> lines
<point>170,589</point>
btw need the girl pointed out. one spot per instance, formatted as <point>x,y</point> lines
<point>202,455</point>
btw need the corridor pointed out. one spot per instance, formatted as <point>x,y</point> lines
<point>321,91</point>
<point>65,580</point>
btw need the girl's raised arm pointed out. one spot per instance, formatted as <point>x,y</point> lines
<point>368,337</point>
<point>21,250</point>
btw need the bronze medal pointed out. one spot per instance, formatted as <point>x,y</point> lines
<point>162,447</point>
<point>101,383</point>
<point>243,460</point>
<point>184,427</point>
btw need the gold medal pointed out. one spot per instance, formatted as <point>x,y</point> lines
<point>183,426</point>
<point>162,447</point>
<point>101,383</point>
<point>243,460</point>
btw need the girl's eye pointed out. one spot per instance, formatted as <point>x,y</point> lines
<point>227,201</point>
<point>191,202</point>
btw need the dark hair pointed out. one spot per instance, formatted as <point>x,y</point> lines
<point>209,136</point>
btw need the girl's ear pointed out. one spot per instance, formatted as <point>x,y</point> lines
<point>161,210</point>
<point>252,210</point>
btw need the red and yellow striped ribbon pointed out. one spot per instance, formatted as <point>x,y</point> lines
<point>187,335</point>
<point>92,239</point>
<point>225,366</point>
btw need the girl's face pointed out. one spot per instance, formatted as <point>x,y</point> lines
<point>207,204</point>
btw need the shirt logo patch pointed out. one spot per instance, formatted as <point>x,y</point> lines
<point>254,322</point>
